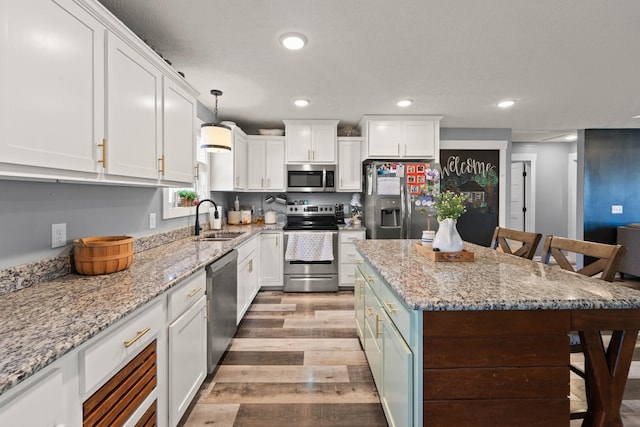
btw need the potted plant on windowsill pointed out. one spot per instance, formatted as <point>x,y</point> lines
<point>187,197</point>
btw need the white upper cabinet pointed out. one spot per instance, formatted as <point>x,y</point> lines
<point>51,80</point>
<point>82,99</point>
<point>311,141</point>
<point>349,164</point>
<point>179,115</point>
<point>265,163</point>
<point>134,89</point>
<point>228,171</point>
<point>402,137</point>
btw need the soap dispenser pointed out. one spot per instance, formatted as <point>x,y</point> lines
<point>236,204</point>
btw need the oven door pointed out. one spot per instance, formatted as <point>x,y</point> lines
<point>311,276</point>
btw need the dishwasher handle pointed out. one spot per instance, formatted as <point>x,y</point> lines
<point>222,262</point>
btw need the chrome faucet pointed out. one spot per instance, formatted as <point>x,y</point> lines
<point>216,215</point>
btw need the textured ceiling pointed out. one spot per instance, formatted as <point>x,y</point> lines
<point>570,64</point>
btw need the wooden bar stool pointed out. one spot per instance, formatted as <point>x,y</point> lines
<point>606,369</point>
<point>529,242</point>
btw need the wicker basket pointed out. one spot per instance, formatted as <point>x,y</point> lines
<point>103,254</point>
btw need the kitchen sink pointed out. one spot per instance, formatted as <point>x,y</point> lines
<point>220,236</point>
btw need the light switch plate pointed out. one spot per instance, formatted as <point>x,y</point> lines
<point>616,209</point>
<point>58,235</point>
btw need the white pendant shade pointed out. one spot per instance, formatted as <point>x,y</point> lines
<point>215,138</point>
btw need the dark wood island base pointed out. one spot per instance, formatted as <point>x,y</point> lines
<point>508,368</point>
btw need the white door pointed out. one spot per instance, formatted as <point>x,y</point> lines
<point>179,114</point>
<point>256,164</point>
<point>323,149</point>
<point>517,217</point>
<point>187,358</point>
<point>274,167</point>
<point>240,159</point>
<point>419,139</point>
<point>51,85</point>
<point>133,112</point>
<point>349,166</point>
<point>384,138</point>
<point>298,143</point>
<point>271,259</point>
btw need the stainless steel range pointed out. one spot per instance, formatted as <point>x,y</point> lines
<point>311,249</point>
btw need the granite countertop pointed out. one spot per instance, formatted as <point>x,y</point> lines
<point>494,281</point>
<point>43,322</point>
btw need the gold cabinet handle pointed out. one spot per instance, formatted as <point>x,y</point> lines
<point>269,181</point>
<point>206,316</point>
<point>262,182</point>
<point>308,154</point>
<point>359,261</point>
<point>193,292</point>
<point>368,310</point>
<point>104,153</point>
<point>197,168</point>
<point>398,149</point>
<point>369,278</point>
<point>250,266</point>
<point>139,335</point>
<point>361,290</point>
<point>389,307</point>
<point>161,160</point>
<point>378,330</point>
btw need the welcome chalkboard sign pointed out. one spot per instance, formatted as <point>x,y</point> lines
<point>474,173</point>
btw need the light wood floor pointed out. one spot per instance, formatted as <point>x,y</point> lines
<point>296,361</point>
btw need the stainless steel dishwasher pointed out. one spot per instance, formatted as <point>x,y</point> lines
<point>222,300</point>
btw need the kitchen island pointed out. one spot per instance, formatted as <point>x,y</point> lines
<point>486,342</point>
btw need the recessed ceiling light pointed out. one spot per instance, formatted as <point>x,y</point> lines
<point>506,104</point>
<point>293,41</point>
<point>571,137</point>
<point>301,102</point>
<point>404,102</point>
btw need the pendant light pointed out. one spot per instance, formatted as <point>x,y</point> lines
<point>215,137</point>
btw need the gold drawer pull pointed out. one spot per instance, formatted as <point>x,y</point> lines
<point>359,261</point>
<point>369,278</point>
<point>378,331</point>
<point>193,292</point>
<point>139,335</point>
<point>389,307</point>
<point>369,312</point>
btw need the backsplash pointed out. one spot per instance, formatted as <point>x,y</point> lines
<point>25,275</point>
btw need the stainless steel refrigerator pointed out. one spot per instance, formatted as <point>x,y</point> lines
<point>398,198</point>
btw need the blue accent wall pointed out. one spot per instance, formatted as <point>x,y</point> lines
<point>611,177</point>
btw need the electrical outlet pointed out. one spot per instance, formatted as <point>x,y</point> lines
<point>58,235</point>
<point>152,220</point>
<point>616,209</point>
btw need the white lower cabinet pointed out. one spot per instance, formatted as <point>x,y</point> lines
<point>187,344</point>
<point>358,294</point>
<point>347,255</point>
<point>271,259</point>
<point>388,343</point>
<point>248,267</point>
<point>187,358</point>
<point>397,375</point>
<point>39,402</point>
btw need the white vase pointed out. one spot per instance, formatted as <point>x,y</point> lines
<point>447,238</point>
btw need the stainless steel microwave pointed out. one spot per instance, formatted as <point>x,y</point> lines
<point>311,177</point>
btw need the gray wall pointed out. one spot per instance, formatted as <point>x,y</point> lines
<point>27,210</point>
<point>551,184</point>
